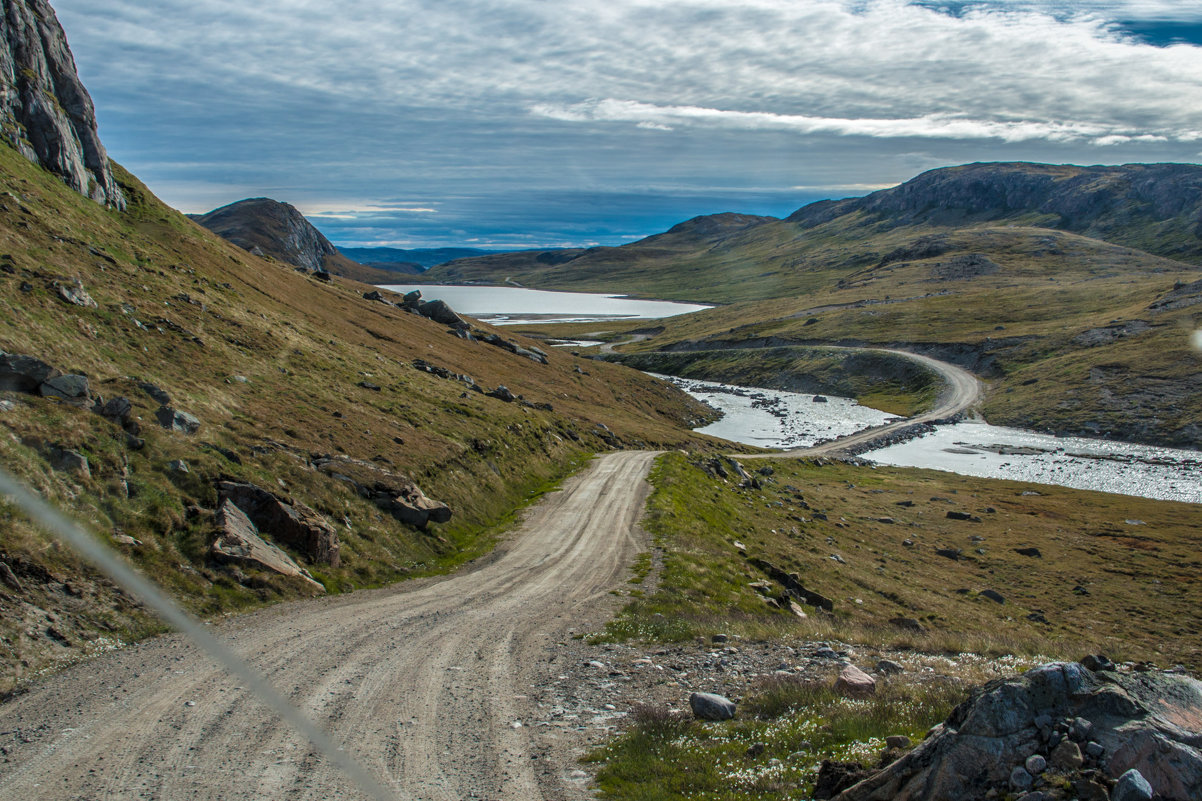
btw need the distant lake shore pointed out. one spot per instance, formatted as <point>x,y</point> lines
<point>506,305</point>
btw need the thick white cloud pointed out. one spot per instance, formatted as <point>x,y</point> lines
<point>311,94</point>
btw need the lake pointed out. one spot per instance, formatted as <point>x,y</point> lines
<point>506,305</point>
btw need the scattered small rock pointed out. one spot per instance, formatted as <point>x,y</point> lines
<point>75,294</point>
<point>157,394</point>
<point>68,461</point>
<point>889,667</point>
<point>1066,756</point>
<point>176,420</point>
<point>993,595</point>
<point>10,578</point>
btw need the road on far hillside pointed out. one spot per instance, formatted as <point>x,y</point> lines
<point>962,390</point>
<point>427,685</point>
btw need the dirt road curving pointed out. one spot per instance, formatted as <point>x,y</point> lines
<point>427,685</point>
<point>962,390</point>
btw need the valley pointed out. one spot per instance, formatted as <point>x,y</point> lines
<point>495,555</point>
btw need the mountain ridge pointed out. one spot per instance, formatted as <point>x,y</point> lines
<point>1116,203</point>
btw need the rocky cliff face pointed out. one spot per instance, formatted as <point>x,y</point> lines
<point>45,111</point>
<point>1155,207</point>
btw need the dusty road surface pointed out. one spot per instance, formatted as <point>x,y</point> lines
<point>427,686</point>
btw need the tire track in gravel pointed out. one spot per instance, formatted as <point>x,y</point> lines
<point>426,684</point>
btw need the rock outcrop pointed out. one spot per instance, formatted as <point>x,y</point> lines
<point>238,542</point>
<point>393,493</point>
<point>267,227</point>
<point>287,521</point>
<point>1074,719</point>
<point>45,111</point>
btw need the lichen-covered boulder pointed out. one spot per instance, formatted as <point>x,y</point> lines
<point>1150,722</point>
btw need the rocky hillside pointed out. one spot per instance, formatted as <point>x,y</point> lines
<point>1154,207</point>
<point>45,111</point>
<point>277,230</point>
<point>244,432</point>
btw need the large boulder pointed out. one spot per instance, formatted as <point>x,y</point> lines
<point>24,373</point>
<point>72,389</point>
<point>711,706</point>
<point>287,521</point>
<point>238,541</point>
<point>1150,722</point>
<point>440,312</point>
<point>393,493</point>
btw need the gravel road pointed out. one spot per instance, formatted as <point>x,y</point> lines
<point>961,391</point>
<point>430,685</point>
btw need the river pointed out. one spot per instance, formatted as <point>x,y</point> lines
<point>775,419</point>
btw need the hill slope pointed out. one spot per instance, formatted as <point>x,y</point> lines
<point>659,266</point>
<point>277,230</point>
<point>1152,207</point>
<point>302,388</point>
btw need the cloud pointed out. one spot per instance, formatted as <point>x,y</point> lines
<point>933,126</point>
<point>443,102</point>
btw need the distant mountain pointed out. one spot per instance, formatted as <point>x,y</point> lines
<point>267,227</point>
<point>629,266</point>
<point>722,258</point>
<point>45,111</point>
<point>1154,207</point>
<point>411,261</point>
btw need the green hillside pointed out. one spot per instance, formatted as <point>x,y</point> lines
<point>283,372</point>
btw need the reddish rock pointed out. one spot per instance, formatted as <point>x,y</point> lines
<point>289,522</point>
<point>855,683</point>
<point>238,541</point>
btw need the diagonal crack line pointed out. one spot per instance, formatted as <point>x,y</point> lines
<point>145,591</point>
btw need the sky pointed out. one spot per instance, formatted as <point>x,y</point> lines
<point>553,123</point>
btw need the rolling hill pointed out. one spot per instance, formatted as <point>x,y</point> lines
<point>1001,268</point>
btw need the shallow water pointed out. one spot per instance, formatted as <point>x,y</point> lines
<point>774,419</point>
<point>979,449</point>
<point>770,418</point>
<point>502,305</point>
